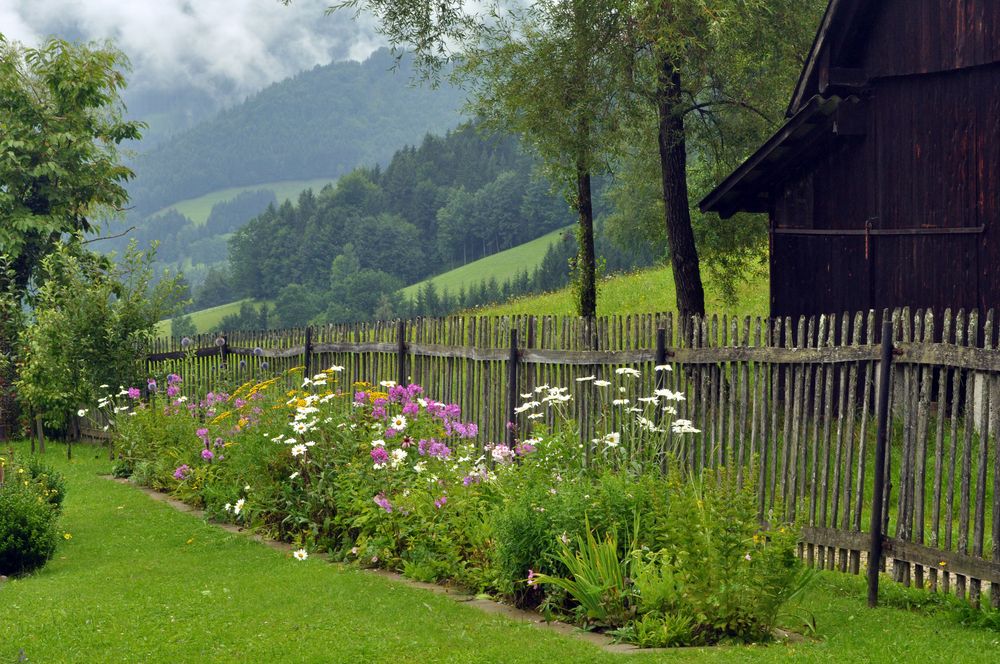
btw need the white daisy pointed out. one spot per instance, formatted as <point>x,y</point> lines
<point>628,371</point>
<point>602,383</point>
<point>300,554</point>
<point>399,423</point>
<point>238,507</point>
<point>298,450</point>
<point>585,379</point>
<point>663,367</point>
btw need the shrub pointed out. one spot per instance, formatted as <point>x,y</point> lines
<point>50,482</point>
<point>27,525</point>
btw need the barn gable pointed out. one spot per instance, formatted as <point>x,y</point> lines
<point>883,186</point>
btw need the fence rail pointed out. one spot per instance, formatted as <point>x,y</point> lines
<point>792,403</point>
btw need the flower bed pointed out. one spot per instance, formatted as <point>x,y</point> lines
<point>386,476</point>
<point>31,496</point>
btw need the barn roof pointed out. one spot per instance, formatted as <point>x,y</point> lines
<point>844,21</point>
<point>747,187</point>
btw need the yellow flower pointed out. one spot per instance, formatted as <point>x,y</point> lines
<point>67,536</point>
<point>221,417</point>
<point>942,563</point>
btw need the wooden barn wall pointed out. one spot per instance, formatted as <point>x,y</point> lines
<point>921,36</point>
<point>817,274</point>
<point>930,160</point>
<point>937,153</point>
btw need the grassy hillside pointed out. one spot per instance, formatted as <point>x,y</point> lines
<point>640,292</point>
<point>504,265</point>
<point>206,320</point>
<point>198,209</point>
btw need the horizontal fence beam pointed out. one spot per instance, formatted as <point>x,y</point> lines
<point>952,562</point>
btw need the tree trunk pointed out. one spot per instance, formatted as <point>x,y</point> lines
<point>673,164</point>
<point>586,264</point>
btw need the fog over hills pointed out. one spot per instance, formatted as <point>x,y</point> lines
<point>193,58</point>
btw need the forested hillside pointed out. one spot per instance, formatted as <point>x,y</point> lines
<point>320,123</point>
<point>345,252</point>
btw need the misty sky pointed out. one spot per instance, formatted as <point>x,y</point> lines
<point>220,50</point>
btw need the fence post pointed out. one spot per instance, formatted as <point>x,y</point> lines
<point>875,550</point>
<point>307,352</point>
<point>40,426</point>
<point>512,361</point>
<point>401,352</point>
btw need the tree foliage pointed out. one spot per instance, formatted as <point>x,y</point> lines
<point>91,325</point>
<point>61,125</point>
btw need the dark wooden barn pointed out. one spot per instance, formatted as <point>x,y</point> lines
<point>883,186</point>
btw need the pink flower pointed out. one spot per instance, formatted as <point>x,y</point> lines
<point>384,503</point>
<point>133,393</point>
<point>532,577</point>
<point>207,455</point>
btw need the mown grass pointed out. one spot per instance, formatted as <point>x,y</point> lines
<point>141,582</point>
<point>198,209</point>
<point>207,320</point>
<point>501,266</point>
<point>644,291</point>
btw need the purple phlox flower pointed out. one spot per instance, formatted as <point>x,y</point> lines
<point>202,433</point>
<point>256,410</point>
<point>440,502</point>
<point>172,390</point>
<point>239,403</point>
<point>383,502</point>
<point>524,449</point>
<point>411,408</point>
<point>438,450</point>
<point>134,393</point>
<point>396,393</point>
<point>434,407</point>
<point>360,397</point>
<point>532,577</point>
<point>413,390</point>
<point>207,455</point>
<point>390,433</point>
<point>452,411</point>
<point>380,402</point>
<point>378,412</point>
<point>475,477</point>
<point>380,455</point>
<point>182,472</point>
<point>422,446</point>
<point>512,426</point>
<point>173,379</point>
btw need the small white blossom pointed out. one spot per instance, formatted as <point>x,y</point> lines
<point>628,371</point>
<point>238,507</point>
<point>585,379</point>
<point>298,450</point>
<point>300,554</point>
<point>602,383</point>
<point>663,367</point>
<point>81,413</point>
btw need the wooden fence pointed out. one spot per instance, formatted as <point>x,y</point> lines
<point>790,403</point>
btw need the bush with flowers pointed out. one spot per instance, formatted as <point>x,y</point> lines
<point>622,539</point>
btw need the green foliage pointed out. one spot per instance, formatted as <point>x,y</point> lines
<point>92,325</point>
<point>182,326</point>
<point>60,128</point>
<point>50,482</point>
<point>28,512</point>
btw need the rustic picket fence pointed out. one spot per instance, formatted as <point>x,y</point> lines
<point>789,403</point>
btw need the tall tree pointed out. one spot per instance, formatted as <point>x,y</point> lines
<point>686,62</point>
<point>61,122</point>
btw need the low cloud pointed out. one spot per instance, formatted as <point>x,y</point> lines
<point>223,49</point>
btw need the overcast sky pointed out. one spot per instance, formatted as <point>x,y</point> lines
<point>223,48</point>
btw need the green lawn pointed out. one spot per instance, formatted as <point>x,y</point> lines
<point>205,320</point>
<point>645,291</point>
<point>141,582</point>
<point>502,266</point>
<point>198,209</point>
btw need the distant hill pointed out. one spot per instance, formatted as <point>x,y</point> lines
<point>318,124</point>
